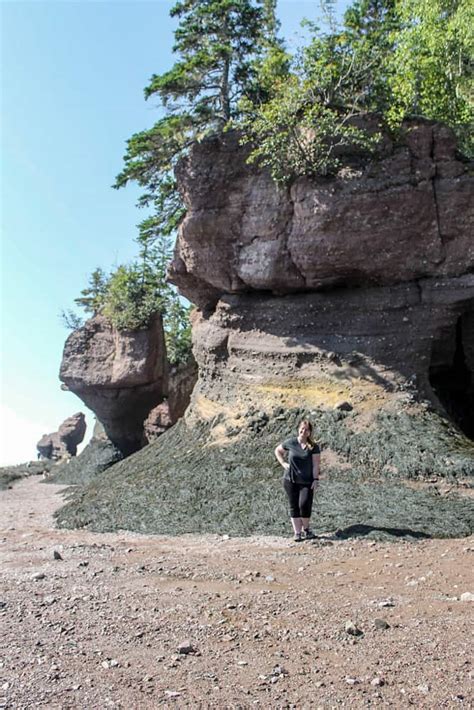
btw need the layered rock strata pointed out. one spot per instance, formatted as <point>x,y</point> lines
<point>347,299</point>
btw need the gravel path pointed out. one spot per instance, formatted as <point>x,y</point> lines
<point>130,621</point>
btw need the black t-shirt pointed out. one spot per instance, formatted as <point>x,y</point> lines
<point>300,460</point>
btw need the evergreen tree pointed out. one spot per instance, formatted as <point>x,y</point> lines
<point>216,42</point>
<point>70,319</point>
<point>93,296</point>
<point>177,330</point>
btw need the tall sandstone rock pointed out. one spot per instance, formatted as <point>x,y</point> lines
<point>119,375</point>
<point>348,299</point>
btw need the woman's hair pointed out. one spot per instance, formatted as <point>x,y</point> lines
<point>307,423</point>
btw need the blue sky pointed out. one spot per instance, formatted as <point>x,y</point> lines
<point>72,92</point>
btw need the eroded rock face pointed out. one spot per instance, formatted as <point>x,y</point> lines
<point>65,441</point>
<point>120,375</point>
<point>360,345</point>
<point>405,216</point>
<point>381,256</point>
<point>181,381</point>
<point>346,300</point>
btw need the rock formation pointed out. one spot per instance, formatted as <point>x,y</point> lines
<point>65,441</point>
<point>120,375</point>
<point>381,256</point>
<point>125,378</point>
<point>354,289</point>
<point>404,216</point>
<point>181,381</point>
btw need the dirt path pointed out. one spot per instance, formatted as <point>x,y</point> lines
<point>264,617</point>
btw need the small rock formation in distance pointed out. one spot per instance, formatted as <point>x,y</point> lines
<point>64,442</point>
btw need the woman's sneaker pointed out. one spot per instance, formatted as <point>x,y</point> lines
<point>308,534</point>
<point>298,537</point>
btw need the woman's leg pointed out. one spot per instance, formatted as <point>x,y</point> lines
<point>293,492</point>
<point>306,505</point>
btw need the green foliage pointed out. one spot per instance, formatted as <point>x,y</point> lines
<point>70,319</point>
<point>432,65</point>
<point>92,297</point>
<point>177,330</point>
<point>134,293</point>
<point>391,58</point>
<point>216,42</point>
<point>310,112</point>
<point>130,303</point>
<point>370,34</point>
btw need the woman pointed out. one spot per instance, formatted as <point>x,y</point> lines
<point>301,477</point>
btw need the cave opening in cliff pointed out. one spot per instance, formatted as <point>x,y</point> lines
<point>452,380</point>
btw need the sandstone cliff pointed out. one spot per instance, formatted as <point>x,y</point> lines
<point>346,299</point>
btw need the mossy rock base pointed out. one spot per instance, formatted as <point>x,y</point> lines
<point>96,457</point>
<point>189,481</point>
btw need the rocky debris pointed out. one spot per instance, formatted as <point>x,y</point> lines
<point>186,647</point>
<point>38,576</point>
<point>467,597</point>
<point>120,375</point>
<point>344,406</point>
<point>57,555</point>
<point>280,647</point>
<point>352,629</point>
<point>64,442</point>
<point>381,624</point>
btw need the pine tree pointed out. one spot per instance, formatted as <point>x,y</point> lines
<point>216,43</point>
<point>93,296</point>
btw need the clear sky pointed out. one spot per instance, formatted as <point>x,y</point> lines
<point>72,81</point>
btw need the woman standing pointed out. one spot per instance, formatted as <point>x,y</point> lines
<point>301,477</point>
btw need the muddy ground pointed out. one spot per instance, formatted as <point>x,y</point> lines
<point>124,620</point>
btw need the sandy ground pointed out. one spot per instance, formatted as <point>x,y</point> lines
<point>260,621</point>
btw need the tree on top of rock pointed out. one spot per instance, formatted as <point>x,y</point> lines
<point>433,68</point>
<point>216,43</point>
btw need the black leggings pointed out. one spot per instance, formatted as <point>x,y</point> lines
<point>300,498</point>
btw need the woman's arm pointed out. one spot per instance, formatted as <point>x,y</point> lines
<point>316,458</point>
<point>280,453</point>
